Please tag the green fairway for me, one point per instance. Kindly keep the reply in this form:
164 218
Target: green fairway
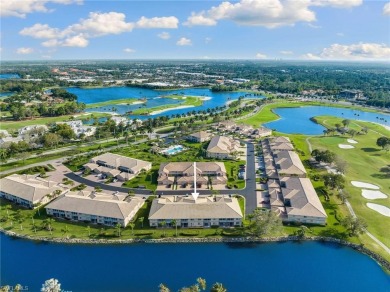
364 164
15 125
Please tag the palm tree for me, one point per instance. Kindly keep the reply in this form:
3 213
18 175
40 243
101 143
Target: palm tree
131 224
88 228
118 227
141 219
174 222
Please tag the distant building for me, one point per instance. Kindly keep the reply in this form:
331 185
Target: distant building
182 173
205 212
119 120
6 141
222 147
351 94
28 190
199 137
261 132
79 129
33 130
4 134
97 208
118 166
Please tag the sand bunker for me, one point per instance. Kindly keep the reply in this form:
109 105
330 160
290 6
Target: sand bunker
360 184
380 209
372 195
345 146
352 141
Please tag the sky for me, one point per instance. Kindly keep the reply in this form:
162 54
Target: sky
356 30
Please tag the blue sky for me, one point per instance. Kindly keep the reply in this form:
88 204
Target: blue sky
246 29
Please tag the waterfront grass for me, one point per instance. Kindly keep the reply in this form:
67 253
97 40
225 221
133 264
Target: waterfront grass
190 101
125 101
364 164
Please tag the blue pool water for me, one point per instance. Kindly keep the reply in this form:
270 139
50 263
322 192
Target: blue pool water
153 98
174 150
310 266
297 120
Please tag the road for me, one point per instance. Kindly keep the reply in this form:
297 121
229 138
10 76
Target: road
66 157
249 192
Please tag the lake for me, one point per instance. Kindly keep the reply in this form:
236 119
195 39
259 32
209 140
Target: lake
153 98
309 266
297 120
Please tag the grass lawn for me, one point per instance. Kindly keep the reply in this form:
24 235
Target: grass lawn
126 101
364 163
232 168
15 125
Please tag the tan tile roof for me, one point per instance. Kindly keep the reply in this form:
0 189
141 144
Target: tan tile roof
303 197
174 207
222 144
28 187
99 204
201 135
116 161
289 162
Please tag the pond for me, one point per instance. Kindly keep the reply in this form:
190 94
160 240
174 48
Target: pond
297 120
309 266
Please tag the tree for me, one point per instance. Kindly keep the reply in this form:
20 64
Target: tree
132 225
51 285
334 181
265 222
383 142
88 228
141 220
354 225
201 283
341 165
118 229
218 287
174 223
51 139
343 196
163 288
23 156
352 132
346 122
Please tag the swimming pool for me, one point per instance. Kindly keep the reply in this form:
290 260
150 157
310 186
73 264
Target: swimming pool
172 150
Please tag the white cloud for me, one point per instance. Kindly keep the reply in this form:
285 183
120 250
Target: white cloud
286 52
20 8
96 25
200 19
184 42
51 43
75 41
310 56
128 50
268 13
261 56
157 22
164 35
40 31
359 51
207 40
100 24
386 9
24 51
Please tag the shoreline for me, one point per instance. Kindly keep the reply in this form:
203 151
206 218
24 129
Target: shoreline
181 240
109 113
169 109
